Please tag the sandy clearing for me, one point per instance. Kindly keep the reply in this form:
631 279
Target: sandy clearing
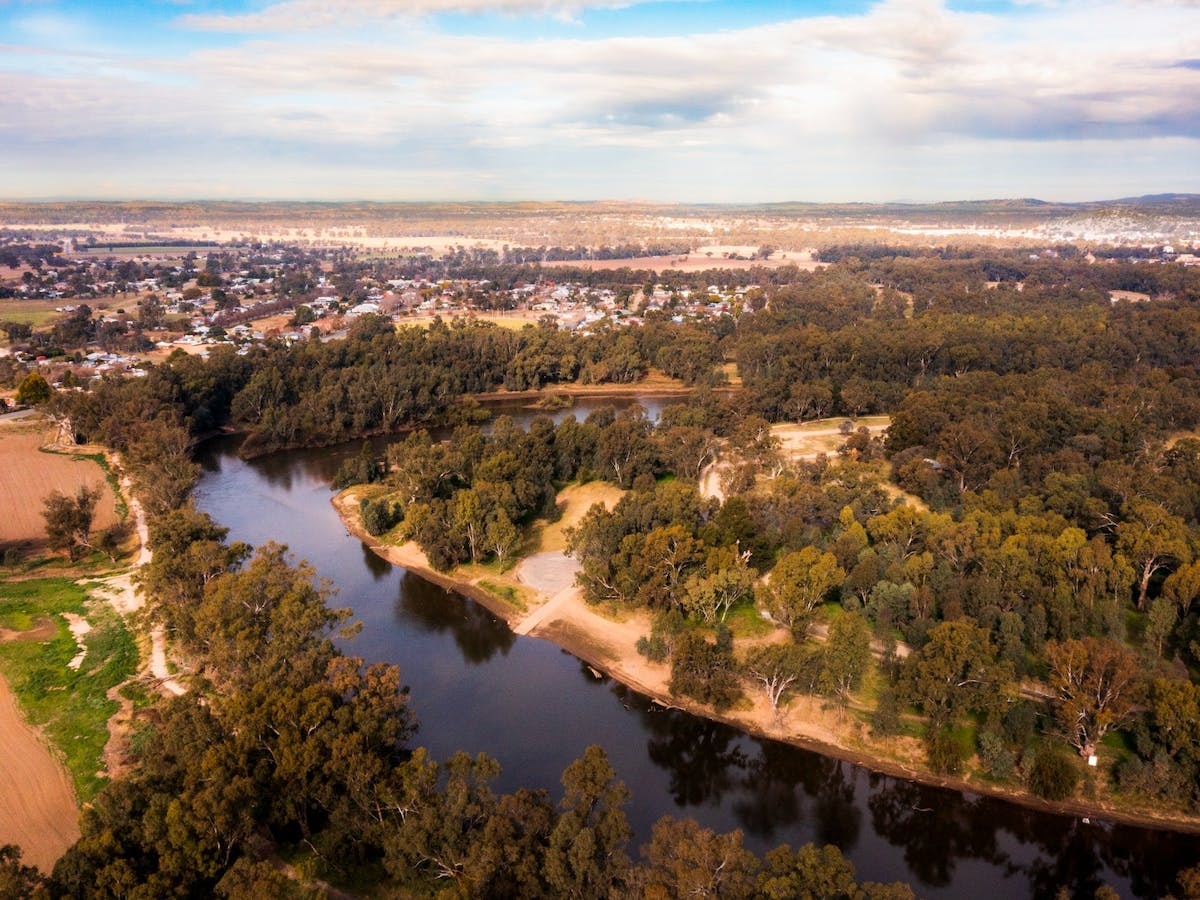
809 439
28 476
551 572
80 627
37 802
710 481
576 500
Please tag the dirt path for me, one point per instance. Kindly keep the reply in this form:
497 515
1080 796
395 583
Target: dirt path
125 597
710 481
551 574
37 803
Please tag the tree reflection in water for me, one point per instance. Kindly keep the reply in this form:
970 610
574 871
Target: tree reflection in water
772 786
838 817
702 757
379 567
935 835
478 633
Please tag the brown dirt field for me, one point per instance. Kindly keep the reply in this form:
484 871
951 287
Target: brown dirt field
28 476
37 804
277 322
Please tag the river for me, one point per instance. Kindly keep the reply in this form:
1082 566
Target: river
478 687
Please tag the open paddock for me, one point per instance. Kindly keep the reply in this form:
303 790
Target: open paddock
28 475
514 321
164 252
32 312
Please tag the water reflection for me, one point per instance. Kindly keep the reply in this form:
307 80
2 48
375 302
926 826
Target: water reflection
430 608
838 818
704 758
772 787
934 834
379 567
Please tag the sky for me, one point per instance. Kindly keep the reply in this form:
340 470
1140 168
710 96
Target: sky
682 100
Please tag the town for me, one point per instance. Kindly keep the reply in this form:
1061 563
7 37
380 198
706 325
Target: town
117 306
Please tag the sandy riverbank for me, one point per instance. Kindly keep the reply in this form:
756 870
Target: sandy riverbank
609 646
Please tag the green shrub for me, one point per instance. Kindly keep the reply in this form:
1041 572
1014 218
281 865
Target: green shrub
664 634
706 671
885 720
1020 722
996 757
1052 775
379 516
945 751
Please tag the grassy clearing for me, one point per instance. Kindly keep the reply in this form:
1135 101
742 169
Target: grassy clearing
33 312
745 621
511 594
69 705
807 439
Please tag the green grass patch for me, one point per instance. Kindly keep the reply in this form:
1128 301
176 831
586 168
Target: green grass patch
33 312
966 736
69 705
510 594
745 621
135 692
873 684
1118 744
829 611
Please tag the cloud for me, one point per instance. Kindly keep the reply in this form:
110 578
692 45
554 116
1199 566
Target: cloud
309 15
906 70
894 89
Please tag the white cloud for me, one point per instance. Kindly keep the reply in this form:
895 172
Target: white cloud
310 15
901 91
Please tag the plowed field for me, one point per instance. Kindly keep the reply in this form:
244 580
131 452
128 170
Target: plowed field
27 476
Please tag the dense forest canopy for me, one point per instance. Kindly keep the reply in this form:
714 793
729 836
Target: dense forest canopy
1031 519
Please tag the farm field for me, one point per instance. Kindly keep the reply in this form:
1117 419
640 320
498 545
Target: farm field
28 475
37 805
705 258
33 312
